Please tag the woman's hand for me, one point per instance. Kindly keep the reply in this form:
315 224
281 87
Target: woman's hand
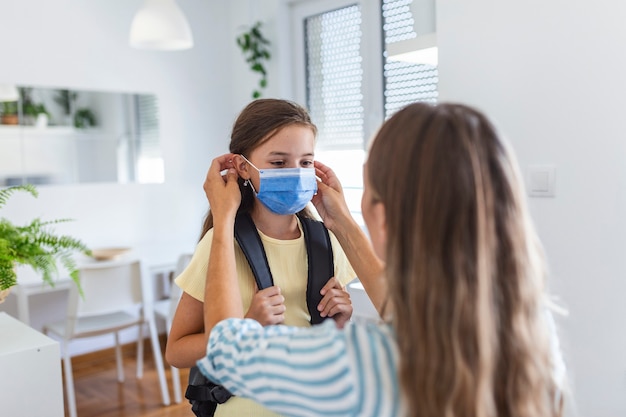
222 191
267 306
336 303
329 200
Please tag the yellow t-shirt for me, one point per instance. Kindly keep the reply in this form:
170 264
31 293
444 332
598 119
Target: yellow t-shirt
288 262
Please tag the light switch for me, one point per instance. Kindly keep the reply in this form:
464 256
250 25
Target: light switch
541 180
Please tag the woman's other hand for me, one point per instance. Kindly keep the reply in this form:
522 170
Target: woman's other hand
329 200
336 303
267 306
222 191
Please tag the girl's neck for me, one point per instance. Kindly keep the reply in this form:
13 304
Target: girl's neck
277 226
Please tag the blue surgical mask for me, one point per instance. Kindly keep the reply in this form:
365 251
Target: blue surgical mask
285 190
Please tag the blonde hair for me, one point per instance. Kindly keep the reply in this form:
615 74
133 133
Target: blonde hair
465 270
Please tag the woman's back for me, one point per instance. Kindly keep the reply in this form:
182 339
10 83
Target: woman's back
464 266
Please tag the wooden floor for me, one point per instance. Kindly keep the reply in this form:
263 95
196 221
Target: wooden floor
98 394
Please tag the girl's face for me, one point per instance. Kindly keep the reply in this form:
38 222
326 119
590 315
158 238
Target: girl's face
292 147
373 212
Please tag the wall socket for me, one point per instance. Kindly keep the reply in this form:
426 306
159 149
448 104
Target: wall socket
541 180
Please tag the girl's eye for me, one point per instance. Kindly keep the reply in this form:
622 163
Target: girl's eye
307 164
278 163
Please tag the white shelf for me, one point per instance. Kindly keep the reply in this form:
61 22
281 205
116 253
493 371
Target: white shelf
13 130
48 129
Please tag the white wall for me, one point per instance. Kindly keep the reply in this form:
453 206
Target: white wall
84 45
551 74
275 27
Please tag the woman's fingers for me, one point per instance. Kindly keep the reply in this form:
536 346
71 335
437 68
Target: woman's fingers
327 175
222 191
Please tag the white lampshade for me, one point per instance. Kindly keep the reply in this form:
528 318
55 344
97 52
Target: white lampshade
160 24
8 92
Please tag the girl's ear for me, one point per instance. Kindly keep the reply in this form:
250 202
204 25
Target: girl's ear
241 165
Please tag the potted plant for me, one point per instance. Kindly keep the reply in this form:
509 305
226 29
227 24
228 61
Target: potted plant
84 118
32 112
36 114
34 244
255 48
8 109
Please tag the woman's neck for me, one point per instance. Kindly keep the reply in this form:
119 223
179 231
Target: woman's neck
277 226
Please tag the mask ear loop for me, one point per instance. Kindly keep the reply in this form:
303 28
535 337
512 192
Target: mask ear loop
251 164
248 182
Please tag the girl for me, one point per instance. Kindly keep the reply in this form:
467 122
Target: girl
271 139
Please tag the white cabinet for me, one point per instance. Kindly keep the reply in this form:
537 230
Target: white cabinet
30 371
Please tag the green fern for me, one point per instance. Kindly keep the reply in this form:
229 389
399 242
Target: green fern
6 193
35 244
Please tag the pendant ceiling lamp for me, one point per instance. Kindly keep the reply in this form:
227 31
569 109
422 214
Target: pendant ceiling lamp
8 92
161 25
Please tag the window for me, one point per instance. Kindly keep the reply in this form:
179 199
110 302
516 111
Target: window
344 77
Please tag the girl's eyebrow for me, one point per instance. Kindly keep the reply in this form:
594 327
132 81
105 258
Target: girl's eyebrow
278 153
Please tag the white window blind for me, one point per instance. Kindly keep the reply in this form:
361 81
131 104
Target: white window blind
405 82
149 160
148 125
334 76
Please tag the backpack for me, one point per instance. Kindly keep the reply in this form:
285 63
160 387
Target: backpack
205 395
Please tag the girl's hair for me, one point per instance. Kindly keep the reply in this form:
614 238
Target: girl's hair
466 272
257 123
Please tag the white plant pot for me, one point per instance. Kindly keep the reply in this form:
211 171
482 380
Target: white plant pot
41 121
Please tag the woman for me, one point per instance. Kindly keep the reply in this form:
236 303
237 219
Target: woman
468 333
271 139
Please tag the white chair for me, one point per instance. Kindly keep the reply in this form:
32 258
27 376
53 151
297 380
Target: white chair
116 296
165 310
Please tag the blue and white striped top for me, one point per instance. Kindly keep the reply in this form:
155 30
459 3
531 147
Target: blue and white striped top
298 371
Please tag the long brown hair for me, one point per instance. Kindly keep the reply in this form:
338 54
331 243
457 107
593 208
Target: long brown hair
257 123
466 277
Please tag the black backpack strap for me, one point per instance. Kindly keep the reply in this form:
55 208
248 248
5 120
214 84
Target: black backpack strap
250 243
321 265
202 389
204 395
319 254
